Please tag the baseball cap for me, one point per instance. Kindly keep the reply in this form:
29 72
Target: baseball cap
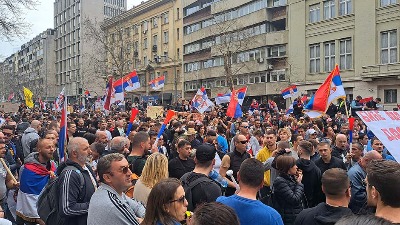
205 152
311 131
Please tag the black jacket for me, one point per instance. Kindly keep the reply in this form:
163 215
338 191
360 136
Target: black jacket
322 214
311 181
74 202
288 197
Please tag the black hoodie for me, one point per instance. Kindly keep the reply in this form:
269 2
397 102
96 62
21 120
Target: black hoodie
322 214
312 182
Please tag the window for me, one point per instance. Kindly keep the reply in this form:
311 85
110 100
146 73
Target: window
155 21
389 47
155 40
390 95
178 53
277 75
344 7
145 43
329 9
165 18
144 26
314 13
165 74
165 35
345 54
329 50
315 58
177 33
276 51
388 2
135 29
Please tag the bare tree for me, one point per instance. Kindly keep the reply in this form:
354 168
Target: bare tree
231 39
12 23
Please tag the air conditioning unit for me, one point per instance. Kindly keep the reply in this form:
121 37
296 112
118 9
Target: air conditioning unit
270 67
260 60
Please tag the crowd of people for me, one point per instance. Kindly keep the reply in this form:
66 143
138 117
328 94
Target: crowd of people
266 167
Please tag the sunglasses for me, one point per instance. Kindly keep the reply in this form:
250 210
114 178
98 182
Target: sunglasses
243 142
245 126
125 169
181 200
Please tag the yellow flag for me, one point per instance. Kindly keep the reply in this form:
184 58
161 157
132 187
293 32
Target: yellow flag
28 97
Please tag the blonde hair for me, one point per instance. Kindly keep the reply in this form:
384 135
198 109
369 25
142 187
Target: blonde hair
155 169
286 130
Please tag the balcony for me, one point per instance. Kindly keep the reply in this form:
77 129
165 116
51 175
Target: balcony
372 72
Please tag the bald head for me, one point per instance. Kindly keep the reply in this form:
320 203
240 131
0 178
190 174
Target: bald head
368 157
36 124
120 145
341 141
101 137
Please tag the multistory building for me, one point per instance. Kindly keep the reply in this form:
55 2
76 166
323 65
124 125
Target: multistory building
148 39
362 37
74 50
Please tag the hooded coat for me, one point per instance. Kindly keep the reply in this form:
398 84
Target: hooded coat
322 214
311 181
30 134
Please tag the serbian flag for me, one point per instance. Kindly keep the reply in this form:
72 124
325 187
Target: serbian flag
33 179
157 83
234 107
108 95
200 101
60 100
168 117
329 91
63 132
223 98
289 92
365 100
134 112
290 109
42 104
87 94
129 82
10 96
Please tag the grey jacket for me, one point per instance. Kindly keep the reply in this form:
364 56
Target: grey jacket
108 207
29 135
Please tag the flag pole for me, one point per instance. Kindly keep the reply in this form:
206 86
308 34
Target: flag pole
345 106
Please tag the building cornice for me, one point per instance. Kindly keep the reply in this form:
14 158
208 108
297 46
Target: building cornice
134 12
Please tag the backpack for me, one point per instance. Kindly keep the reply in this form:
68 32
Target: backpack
48 201
188 186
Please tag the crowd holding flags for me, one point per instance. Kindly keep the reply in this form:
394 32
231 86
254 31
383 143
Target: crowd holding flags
60 100
63 127
129 82
329 91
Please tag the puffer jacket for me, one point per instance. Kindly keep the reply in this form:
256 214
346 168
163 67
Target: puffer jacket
288 197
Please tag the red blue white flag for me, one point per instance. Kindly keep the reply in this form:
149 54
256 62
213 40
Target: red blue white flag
157 83
235 105
289 92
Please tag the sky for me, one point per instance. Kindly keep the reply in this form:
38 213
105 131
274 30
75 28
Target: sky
39 19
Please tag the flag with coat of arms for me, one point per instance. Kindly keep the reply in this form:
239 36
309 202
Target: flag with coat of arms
200 101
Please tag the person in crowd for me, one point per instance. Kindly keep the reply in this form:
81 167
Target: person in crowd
155 169
356 106
74 201
191 137
140 147
71 129
311 174
383 184
315 154
166 204
33 180
357 175
340 148
109 204
103 127
244 130
265 153
288 197
12 155
90 137
221 140
199 187
354 155
250 210
214 213
234 159
377 145
81 129
284 134
182 163
96 150
362 220
119 129
327 161
30 135
363 140
296 139
373 104
336 186
120 145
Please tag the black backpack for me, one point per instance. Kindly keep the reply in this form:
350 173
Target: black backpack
188 186
48 202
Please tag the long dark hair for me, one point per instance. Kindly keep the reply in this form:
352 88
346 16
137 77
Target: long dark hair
161 195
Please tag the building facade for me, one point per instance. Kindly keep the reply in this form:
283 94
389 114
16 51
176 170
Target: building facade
8 72
147 38
73 50
250 37
362 37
